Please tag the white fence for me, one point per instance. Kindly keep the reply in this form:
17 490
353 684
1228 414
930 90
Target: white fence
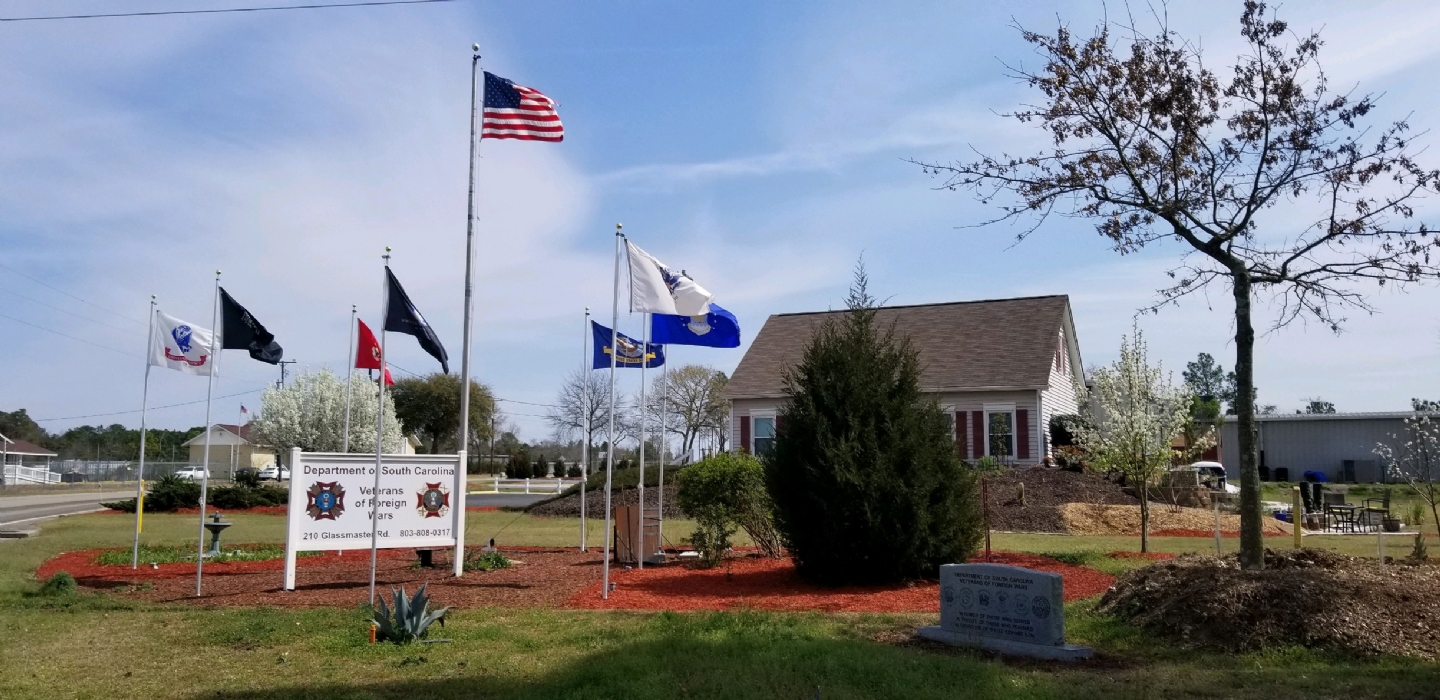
15 474
499 485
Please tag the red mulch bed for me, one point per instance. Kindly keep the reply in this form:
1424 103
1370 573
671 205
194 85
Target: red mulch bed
773 584
1151 556
267 510
548 578
1187 532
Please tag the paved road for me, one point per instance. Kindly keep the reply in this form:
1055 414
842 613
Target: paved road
22 510
482 500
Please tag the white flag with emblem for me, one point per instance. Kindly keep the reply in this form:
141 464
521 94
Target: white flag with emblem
657 289
182 346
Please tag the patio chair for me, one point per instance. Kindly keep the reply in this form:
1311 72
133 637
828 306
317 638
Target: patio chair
1379 506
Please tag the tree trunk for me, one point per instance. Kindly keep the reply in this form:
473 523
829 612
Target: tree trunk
1252 537
1144 517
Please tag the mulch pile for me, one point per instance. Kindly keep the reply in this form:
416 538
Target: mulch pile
569 506
545 578
1045 490
773 584
1151 556
1307 597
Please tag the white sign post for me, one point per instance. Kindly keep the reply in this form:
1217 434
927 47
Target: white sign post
330 499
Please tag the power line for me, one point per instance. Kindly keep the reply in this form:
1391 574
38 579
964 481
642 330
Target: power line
62 335
68 294
72 313
221 10
152 408
527 403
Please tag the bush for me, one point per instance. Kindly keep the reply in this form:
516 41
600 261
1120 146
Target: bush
248 478
486 561
863 472
61 584
1066 428
574 471
722 493
167 495
239 497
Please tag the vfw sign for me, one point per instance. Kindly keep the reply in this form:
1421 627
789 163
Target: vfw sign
420 503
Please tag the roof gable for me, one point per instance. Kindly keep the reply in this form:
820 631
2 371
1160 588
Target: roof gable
971 345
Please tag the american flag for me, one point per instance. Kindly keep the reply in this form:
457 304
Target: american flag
518 112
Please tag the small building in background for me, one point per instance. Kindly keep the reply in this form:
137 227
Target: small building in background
1339 445
1000 368
230 445
25 454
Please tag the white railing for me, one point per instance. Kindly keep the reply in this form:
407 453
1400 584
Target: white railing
15 474
499 485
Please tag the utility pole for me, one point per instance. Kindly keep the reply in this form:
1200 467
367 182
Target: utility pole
281 384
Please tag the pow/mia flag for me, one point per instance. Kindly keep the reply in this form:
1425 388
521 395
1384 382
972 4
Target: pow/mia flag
401 316
240 331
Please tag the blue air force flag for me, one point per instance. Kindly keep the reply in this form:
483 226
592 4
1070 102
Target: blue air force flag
717 329
629 355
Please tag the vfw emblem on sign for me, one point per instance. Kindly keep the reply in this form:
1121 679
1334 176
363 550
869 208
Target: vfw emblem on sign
434 501
326 500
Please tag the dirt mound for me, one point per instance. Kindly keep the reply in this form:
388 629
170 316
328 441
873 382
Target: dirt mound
1045 490
1094 519
1303 597
568 506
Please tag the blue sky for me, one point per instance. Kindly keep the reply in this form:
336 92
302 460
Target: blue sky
761 146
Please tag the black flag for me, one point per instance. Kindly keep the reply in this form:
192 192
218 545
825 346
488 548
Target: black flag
240 331
403 317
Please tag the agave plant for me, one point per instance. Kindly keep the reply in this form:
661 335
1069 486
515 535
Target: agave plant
411 618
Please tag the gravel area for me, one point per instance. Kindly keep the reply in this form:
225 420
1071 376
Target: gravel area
1045 490
1305 597
569 506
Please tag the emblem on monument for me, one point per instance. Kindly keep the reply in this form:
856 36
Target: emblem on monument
1040 607
434 501
326 500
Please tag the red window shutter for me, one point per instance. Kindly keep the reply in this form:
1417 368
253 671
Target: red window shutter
1022 433
777 425
745 434
977 446
960 428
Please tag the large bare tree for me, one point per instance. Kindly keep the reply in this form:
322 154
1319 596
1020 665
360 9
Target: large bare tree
693 403
1270 181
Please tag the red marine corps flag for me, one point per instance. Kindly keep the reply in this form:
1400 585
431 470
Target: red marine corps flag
367 353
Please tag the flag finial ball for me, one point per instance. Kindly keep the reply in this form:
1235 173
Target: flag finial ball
387 248
475 48
619 226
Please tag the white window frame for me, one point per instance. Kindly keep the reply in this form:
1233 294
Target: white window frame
754 415
1009 408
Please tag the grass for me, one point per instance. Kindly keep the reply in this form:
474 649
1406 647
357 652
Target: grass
102 646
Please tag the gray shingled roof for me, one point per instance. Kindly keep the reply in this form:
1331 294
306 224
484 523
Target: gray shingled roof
968 345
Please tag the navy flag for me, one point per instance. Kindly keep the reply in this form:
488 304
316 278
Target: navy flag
401 316
240 331
717 329
629 355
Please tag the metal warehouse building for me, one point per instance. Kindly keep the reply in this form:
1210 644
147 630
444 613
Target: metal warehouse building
1339 445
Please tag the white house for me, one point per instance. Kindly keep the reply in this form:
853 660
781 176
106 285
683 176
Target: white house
1001 368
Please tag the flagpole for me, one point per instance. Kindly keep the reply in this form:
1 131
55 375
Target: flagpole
379 424
639 548
144 406
585 429
349 370
216 341
610 436
664 423
464 447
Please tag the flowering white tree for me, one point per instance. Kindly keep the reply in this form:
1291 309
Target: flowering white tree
1415 457
310 414
1138 413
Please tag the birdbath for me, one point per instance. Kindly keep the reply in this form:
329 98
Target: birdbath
215 526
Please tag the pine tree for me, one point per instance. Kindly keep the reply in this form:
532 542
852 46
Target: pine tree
864 475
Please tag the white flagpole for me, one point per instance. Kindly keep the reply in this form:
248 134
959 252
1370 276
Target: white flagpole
585 429
610 437
460 474
144 406
638 548
349 370
379 425
664 423
216 340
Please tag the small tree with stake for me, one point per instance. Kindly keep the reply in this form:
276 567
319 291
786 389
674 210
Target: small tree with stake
1154 147
1415 457
863 473
1139 413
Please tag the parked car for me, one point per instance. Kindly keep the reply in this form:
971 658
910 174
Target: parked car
1212 475
192 473
275 473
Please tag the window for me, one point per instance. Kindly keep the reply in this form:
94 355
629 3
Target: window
764 438
1000 434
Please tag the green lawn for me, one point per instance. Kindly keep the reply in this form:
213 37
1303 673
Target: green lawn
99 646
